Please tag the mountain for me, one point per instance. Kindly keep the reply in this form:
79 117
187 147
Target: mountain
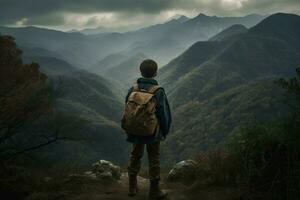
97 101
161 42
98 30
216 86
77 49
50 65
103 30
91 91
127 71
108 62
38 52
89 97
74 48
202 27
282 26
229 32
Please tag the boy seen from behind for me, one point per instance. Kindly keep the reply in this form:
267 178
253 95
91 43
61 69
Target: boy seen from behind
146 120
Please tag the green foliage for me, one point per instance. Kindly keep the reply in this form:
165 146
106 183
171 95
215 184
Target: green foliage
268 153
293 87
67 120
216 168
262 157
216 87
249 143
25 94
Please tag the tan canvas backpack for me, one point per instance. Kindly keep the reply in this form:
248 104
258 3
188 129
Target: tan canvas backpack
139 114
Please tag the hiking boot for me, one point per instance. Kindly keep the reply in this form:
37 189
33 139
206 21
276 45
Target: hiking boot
133 189
155 192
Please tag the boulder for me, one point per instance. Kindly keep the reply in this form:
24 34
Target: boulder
90 174
184 172
47 179
104 169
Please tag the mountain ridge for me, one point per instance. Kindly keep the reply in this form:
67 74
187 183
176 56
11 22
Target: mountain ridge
224 89
229 32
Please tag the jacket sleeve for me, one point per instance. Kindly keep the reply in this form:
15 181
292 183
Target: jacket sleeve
163 112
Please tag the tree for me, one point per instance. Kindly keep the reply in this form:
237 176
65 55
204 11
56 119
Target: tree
292 87
268 152
25 94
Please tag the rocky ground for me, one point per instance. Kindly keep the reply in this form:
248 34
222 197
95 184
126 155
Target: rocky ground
107 181
98 190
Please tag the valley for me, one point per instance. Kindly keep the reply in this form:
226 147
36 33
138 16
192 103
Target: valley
218 73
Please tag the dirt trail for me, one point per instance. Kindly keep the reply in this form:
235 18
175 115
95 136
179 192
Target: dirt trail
96 190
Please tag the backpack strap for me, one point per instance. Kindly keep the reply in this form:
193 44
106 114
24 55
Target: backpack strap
136 87
153 89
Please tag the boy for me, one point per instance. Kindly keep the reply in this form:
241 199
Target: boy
144 129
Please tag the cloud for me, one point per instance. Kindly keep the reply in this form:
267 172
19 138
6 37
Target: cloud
103 12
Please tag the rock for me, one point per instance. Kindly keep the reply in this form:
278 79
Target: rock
47 179
106 176
90 174
101 170
106 170
184 172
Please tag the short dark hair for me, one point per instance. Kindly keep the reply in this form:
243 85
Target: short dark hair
148 68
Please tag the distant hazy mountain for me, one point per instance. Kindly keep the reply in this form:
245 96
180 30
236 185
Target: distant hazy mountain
161 42
102 30
93 31
39 52
202 27
165 41
229 32
75 48
127 71
215 86
108 62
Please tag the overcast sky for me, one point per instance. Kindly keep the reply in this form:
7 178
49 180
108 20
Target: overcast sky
78 14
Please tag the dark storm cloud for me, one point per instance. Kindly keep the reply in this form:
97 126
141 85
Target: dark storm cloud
241 7
52 12
13 10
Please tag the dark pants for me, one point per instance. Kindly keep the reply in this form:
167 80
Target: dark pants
153 157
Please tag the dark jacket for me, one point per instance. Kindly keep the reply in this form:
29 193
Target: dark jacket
162 112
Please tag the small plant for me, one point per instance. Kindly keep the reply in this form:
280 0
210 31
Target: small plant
217 167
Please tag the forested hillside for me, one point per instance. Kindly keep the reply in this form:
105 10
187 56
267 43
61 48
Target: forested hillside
84 118
216 86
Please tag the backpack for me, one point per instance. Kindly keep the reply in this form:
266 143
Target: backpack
139 114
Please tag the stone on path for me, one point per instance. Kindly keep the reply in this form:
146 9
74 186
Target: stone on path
184 172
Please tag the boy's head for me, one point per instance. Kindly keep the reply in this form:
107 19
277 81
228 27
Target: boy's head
148 68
